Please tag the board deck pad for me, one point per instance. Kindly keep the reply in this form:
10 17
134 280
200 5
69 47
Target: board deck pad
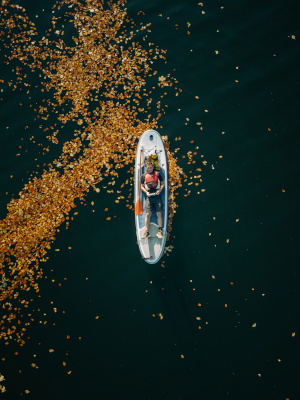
152 244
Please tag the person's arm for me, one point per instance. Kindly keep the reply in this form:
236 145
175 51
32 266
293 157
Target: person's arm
162 185
143 188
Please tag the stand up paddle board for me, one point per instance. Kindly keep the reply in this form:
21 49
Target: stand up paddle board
151 248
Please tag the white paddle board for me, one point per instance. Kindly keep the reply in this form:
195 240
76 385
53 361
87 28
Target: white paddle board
152 247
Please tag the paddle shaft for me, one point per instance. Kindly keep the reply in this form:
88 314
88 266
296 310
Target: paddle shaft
140 172
139 207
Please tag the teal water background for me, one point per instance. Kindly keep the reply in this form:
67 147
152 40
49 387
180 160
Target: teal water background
127 353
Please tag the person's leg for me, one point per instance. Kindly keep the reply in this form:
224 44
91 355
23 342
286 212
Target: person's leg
148 213
147 220
159 219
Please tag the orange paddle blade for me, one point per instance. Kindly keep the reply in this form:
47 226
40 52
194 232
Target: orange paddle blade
138 207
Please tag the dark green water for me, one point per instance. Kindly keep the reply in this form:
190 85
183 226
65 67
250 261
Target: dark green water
127 353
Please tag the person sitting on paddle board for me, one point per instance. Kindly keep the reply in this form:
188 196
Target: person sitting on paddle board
152 182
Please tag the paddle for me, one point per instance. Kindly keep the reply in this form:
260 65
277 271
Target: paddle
138 206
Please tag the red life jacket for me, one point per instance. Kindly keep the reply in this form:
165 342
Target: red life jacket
151 180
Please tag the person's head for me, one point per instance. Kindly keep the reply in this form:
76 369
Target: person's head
149 167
